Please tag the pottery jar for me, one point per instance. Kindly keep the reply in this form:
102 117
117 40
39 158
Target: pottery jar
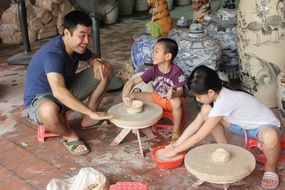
261 42
281 95
181 30
222 27
141 52
197 49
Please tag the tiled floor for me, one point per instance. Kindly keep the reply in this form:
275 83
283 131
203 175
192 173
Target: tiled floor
27 164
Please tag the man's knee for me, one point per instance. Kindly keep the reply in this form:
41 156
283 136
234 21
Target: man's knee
47 110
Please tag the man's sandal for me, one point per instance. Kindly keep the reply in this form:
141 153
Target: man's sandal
270 180
72 145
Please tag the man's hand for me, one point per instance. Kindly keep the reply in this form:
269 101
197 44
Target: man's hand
99 70
100 115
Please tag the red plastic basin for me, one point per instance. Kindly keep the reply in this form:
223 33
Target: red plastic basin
166 164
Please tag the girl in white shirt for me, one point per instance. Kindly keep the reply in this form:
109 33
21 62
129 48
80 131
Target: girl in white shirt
235 110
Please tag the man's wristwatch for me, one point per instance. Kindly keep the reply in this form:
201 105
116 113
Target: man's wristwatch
98 59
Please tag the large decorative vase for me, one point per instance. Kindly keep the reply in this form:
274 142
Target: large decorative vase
281 94
181 30
197 49
222 27
141 52
261 45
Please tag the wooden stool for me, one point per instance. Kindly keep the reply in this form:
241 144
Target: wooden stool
251 143
43 133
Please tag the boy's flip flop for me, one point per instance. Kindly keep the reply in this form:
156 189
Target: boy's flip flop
72 145
103 122
270 180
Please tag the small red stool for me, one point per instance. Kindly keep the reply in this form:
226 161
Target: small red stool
167 115
253 143
43 133
129 186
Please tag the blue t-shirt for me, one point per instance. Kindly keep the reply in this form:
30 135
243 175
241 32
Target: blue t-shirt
52 57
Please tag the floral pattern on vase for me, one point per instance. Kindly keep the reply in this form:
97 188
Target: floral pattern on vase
261 34
197 49
222 27
141 52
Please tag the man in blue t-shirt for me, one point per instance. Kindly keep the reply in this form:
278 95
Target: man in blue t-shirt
52 85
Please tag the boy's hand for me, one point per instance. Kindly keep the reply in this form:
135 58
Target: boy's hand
127 101
169 93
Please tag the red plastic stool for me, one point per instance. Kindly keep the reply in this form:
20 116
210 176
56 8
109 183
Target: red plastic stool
43 133
129 186
167 115
253 143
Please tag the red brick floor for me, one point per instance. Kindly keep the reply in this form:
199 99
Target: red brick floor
27 164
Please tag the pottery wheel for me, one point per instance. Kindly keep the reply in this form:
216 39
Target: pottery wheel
151 114
199 162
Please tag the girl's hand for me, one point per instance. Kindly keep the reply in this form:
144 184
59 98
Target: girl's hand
169 151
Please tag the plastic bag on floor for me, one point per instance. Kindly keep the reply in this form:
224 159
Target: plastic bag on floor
87 179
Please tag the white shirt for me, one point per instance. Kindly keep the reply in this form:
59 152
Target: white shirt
242 109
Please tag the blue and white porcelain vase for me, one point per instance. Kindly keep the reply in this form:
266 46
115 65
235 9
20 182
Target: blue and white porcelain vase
141 52
181 30
222 27
197 49
261 42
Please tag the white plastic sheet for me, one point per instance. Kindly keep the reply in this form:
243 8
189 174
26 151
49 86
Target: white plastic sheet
87 179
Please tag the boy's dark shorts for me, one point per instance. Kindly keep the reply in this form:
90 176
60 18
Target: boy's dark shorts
81 86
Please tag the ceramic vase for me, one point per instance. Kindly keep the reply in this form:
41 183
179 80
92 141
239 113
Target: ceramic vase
141 52
181 30
197 49
260 35
222 27
281 95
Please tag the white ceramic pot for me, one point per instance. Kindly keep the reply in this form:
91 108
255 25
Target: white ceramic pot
260 38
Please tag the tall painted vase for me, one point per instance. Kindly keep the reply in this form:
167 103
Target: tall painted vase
197 49
261 42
